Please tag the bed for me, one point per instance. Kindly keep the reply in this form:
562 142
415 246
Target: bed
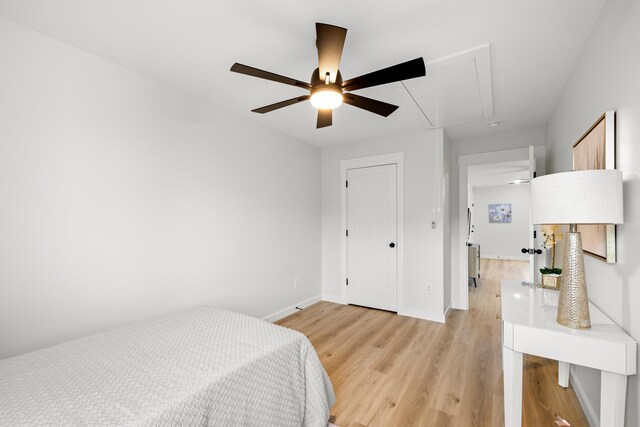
203 366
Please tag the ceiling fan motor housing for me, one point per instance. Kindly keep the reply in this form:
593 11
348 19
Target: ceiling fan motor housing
318 83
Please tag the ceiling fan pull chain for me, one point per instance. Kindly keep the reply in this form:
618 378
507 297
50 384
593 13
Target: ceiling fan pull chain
437 174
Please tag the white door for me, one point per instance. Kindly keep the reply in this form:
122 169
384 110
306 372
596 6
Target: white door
372 261
534 230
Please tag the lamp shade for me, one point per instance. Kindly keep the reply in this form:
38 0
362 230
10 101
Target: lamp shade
579 197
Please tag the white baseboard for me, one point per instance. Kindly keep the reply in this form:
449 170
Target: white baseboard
409 312
333 298
290 310
422 314
458 306
509 258
586 405
446 313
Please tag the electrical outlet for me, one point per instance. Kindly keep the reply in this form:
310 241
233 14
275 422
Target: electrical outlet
429 290
295 282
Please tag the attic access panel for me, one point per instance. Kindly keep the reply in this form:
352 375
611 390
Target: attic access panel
457 88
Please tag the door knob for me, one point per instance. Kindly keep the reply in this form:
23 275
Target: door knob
531 251
392 245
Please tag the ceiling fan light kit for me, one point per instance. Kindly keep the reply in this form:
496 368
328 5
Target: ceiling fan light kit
327 90
326 98
326 95
518 181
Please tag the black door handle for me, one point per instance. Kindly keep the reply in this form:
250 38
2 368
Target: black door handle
531 251
392 245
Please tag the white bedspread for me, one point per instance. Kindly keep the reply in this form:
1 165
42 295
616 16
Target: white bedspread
205 366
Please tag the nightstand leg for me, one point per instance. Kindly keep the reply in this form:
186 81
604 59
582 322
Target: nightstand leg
613 395
563 374
512 371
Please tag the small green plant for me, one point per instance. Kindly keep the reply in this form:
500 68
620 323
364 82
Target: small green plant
551 234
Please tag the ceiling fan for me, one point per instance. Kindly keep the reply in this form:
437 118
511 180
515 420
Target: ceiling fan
327 90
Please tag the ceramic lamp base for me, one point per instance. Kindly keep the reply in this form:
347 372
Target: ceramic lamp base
573 304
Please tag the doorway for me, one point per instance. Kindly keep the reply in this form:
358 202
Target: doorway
534 155
498 218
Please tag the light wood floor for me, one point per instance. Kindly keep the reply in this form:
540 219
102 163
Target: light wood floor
390 370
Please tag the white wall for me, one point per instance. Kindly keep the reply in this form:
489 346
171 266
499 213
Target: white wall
606 77
122 198
423 249
492 142
502 241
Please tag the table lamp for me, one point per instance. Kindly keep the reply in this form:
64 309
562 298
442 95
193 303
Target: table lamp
580 197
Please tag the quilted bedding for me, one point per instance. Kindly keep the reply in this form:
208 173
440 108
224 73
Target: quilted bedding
204 366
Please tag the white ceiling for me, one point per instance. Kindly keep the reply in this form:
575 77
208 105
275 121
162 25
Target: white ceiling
191 44
495 174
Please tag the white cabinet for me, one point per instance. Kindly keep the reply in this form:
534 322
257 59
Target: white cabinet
474 262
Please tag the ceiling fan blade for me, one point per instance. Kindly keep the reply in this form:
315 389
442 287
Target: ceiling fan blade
378 107
325 118
277 105
404 71
329 41
255 72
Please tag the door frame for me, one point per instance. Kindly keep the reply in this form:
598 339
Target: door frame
460 291
364 162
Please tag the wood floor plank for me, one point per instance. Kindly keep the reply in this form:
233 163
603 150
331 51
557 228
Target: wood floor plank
390 370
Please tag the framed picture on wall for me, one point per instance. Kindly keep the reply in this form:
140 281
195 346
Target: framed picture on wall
596 150
500 213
